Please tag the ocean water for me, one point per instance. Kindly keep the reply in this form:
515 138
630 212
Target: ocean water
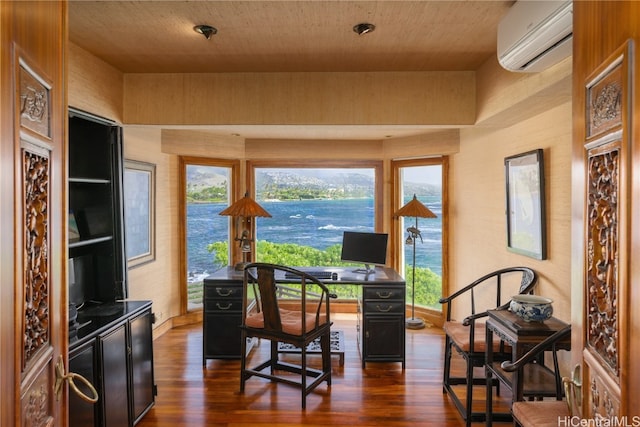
315 223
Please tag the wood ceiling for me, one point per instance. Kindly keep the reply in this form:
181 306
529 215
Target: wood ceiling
287 36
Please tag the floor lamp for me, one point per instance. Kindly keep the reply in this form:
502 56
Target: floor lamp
418 210
242 211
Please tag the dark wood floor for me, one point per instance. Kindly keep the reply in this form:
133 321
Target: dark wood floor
381 395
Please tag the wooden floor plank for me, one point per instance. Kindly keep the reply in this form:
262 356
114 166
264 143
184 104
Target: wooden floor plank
383 394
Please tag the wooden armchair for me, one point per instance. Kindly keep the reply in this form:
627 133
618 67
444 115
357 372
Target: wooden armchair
543 413
467 337
298 326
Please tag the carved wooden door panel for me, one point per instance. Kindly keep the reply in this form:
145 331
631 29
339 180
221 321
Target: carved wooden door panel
38 285
33 172
607 239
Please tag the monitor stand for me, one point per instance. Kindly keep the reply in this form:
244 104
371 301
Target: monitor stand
366 270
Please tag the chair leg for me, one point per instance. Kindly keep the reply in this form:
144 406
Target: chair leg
243 359
469 397
447 364
325 345
303 375
274 356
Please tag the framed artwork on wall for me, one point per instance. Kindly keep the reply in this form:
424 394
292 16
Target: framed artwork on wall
525 204
139 212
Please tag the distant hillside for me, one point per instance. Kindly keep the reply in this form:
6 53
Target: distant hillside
199 177
289 184
206 185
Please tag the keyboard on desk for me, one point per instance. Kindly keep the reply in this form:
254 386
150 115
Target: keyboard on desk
318 274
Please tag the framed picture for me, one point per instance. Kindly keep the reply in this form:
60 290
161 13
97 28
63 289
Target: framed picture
526 225
139 212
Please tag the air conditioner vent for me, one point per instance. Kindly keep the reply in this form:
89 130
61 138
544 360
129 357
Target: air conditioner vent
535 35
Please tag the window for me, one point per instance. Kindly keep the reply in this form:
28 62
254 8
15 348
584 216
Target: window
207 191
424 179
310 209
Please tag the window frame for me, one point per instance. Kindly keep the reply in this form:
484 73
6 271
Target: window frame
234 178
397 233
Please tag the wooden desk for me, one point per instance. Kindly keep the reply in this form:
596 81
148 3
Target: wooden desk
521 336
381 312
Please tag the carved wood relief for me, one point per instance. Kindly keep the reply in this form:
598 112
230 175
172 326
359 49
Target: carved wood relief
602 255
36 256
604 100
603 396
34 102
36 404
607 145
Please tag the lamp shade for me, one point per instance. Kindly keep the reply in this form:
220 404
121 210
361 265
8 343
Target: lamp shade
246 207
415 208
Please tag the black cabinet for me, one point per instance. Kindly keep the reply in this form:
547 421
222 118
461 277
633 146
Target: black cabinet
115 353
114 378
116 336
97 264
381 320
222 315
82 361
142 379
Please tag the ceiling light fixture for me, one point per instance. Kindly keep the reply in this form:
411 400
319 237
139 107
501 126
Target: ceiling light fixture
363 28
205 30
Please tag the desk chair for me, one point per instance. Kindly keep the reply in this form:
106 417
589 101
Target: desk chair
309 321
468 338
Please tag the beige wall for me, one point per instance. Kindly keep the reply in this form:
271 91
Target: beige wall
506 103
94 85
158 280
477 210
426 98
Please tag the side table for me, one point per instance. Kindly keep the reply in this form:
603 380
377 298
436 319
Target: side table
521 336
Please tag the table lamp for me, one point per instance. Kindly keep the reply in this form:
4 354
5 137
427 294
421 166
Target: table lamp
416 209
242 211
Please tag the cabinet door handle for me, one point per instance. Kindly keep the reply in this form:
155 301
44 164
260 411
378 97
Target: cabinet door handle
222 293
227 307
61 377
384 295
383 310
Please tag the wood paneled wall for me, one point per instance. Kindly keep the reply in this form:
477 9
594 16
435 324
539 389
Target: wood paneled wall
593 45
33 211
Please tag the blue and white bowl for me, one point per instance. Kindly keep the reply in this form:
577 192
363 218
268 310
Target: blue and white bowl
531 308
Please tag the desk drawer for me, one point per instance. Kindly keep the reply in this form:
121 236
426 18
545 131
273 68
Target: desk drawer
382 293
223 305
222 292
383 307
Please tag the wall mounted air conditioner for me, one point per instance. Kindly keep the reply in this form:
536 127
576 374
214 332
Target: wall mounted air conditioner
535 35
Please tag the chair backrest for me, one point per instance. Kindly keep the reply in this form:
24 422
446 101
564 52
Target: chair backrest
528 281
271 282
268 300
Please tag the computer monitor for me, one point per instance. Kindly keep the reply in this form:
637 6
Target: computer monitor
367 248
